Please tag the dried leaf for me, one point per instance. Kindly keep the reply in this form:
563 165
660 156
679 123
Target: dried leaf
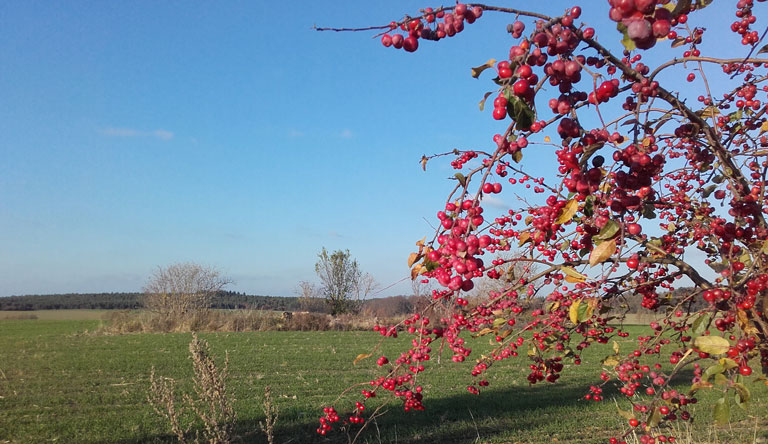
476 71
424 163
568 211
413 258
360 357
602 252
572 275
525 236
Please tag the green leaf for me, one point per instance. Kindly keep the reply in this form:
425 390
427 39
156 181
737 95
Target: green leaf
520 112
608 231
720 379
722 412
700 324
628 43
655 418
715 369
682 5
742 395
581 310
498 322
728 363
714 345
462 180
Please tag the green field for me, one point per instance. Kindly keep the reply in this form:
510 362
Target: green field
58 384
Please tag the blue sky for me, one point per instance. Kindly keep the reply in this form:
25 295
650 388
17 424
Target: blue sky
139 134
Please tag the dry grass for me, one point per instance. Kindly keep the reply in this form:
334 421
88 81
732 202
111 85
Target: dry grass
56 315
123 322
211 404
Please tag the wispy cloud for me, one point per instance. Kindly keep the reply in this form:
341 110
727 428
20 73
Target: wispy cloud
495 202
160 134
346 133
295 134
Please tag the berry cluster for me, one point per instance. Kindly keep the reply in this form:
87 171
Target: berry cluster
444 24
645 23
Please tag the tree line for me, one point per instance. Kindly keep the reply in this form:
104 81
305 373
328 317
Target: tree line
131 301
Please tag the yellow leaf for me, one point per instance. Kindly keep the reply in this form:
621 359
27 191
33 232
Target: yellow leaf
582 309
476 71
714 345
413 258
573 312
602 252
547 138
360 357
764 127
610 361
616 347
567 212
572 275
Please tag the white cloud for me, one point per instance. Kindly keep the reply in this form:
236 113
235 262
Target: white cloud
346 133
161 134
495 202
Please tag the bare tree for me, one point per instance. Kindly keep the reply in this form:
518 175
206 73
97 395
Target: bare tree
309 297
181 289
344 286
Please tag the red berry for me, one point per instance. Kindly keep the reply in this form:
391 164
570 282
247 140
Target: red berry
521 87
411 44
691 77
633 422
499 113
745 370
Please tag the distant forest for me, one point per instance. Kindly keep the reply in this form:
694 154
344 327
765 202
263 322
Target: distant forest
129 301
380 307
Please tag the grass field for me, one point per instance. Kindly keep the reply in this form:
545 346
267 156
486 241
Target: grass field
56 315
59 385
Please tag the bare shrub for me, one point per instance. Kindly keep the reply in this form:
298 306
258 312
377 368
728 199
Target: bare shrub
182 289
211 404
20 316
307 322
270 415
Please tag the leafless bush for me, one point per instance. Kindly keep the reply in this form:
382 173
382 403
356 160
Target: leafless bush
211 404
19 316
182 289
270 416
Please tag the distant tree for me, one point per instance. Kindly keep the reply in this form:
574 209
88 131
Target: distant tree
344 286
181 289
309 297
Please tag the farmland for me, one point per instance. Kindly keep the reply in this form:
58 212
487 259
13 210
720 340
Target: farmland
59 382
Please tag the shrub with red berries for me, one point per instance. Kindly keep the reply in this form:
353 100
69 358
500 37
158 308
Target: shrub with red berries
644 180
